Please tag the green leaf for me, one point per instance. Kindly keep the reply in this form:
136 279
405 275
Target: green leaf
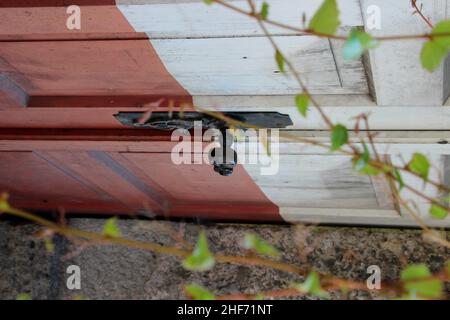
312 286
197 292
416 282
399 179
407 296
253 242
438 212
448 268
339 137
434 50
208 2
357 43
264 10
49 245
111 229
302 102
370 170
259 296
426 288
280 60
361 163
442 27
432 55
23 296
414 272
201 258
326 18
420 165
4 205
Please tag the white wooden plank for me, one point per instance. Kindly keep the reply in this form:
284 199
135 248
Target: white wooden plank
398 76
412 198
305 180
202 44
281 101
310 180
194 19
246 66
389 118
383 192
446 178
383 148
351 72
355 217
385 137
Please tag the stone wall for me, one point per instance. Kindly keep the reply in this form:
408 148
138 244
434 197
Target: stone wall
113 272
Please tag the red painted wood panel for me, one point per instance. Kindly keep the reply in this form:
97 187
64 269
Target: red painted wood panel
78 182
8 102
35 183
45 21
90 74
74 118
105 64
111 179
50 3
94 181
199 191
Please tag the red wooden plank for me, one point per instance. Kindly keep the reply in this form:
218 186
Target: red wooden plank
10 99
85 134
93 181
53 3
83 71
73 37
199 191
228 211
90 74
114 180
93 118
47 22
35 183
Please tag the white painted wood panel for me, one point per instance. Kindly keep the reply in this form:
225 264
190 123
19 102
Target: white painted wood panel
355 216
324 189
246 66
384 148
381 118
384 192
281 101
351 72
195 19
315 181
436 174
399 78
212 50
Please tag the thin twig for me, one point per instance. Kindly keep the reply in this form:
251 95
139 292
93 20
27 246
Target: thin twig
419 11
